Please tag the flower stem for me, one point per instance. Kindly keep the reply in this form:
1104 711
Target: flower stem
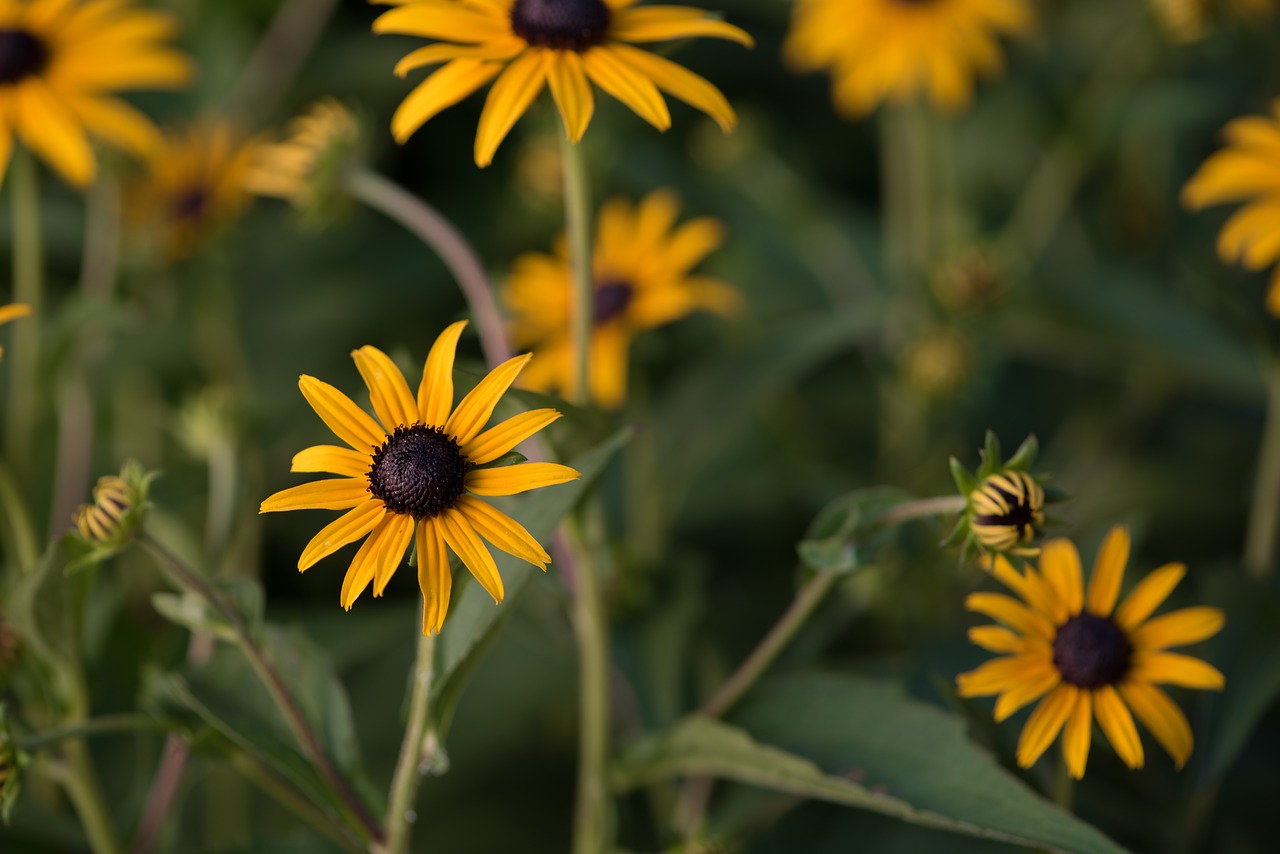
189 580
21 535
1064 788
591 813
91 726
24 187
1264 514
457 254
413 759
577 221
81 784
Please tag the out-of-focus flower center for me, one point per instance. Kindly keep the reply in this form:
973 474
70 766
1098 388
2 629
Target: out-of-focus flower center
22 55
612 297
419 471
190 204
1089 651
560 24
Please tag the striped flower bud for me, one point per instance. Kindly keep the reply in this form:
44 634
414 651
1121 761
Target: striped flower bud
1006 510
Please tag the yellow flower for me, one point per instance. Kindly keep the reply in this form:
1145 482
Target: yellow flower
1091 658
564 44
307 166
418 473
896 50
1247 170
1006 511
12 312
59 62
642 268
192 187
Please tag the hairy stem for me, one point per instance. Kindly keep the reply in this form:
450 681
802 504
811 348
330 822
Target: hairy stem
28 259
413 760
1264 513
577 220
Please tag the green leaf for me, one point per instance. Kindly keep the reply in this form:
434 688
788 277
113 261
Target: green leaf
1025 456
43 606
916 754
191 612
990 456
474 619
844 535
965 482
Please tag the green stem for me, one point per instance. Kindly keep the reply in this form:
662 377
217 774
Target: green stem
24 187
907 185
187 579
577 221
89 727
21 530
414 758
303 808
1264 514
433 229
592 825
81 784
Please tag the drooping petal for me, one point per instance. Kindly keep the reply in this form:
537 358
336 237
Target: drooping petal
335 494
679 82
628 85
332 459
399 532
1147 595
388 390
1011 612
464 541
50 130
434 577
1159 714
347 528
996 675
434 54
364 564
1115 720
445 87
1171 668
997 639
435 391
572 92
474 410
1178 628
501 438
348 422
502 531
1108 572
666 23
1060 566
1045 723
1076 735
1031 688
510 480
511 95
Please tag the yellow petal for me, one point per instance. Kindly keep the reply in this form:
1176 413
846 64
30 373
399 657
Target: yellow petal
501 438
434 578
680 82
666 23
626 84
348 422
364 564
347 528
1115 720
1171 668
502 531
1045 723
1148 594
464 541
572 92
399 532
1178 628
511 95
435 54
1060 566
997 675
1011 612
50 130
1031 688
1076 735
997 639
445 87
435 391
337 494
474 410
1108 571
509 480
116 122
332 459
450 22
1159 714
13 311
388 391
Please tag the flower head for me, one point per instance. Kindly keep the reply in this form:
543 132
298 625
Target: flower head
897 50
1004 502
192 186
12 311
60 60
418 472
566 45
307 168
643 266
1247 170
1088 658
114 518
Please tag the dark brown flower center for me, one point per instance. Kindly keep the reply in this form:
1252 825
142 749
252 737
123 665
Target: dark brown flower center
21 55
419 471
190 204
612 297
1089 651
560 24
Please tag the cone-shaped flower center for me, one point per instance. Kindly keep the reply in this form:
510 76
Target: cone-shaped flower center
560 24
419 471
21 55
612 297
1089 651
190 204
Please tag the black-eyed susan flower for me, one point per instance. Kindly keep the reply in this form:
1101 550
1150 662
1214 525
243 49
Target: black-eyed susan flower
307 167
1088 658
60 60
1004 502
643 278
898 50
114 518
193 186
1247 170
417 473
566 45
12 311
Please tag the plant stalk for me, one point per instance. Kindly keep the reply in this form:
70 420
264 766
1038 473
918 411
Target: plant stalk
1264 513
592 825
28 259
577 221
82 787
413 762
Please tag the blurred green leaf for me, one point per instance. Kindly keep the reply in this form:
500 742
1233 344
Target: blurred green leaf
916 754
844 535
192 612
43 607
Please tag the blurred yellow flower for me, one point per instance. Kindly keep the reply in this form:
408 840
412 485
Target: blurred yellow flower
897 50
1247 170
12 311
643 279
306 166
1092 659
59 62
938 362
417 473
564 44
